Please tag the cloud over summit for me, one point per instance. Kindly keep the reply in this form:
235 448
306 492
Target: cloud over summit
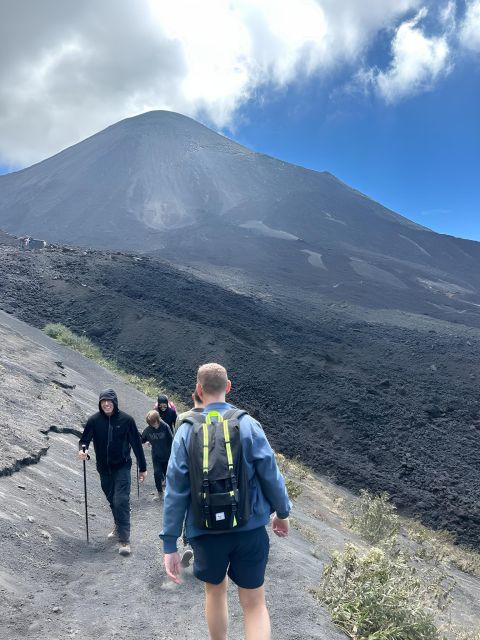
70 69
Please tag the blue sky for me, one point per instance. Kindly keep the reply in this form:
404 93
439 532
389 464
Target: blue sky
384 94
420 157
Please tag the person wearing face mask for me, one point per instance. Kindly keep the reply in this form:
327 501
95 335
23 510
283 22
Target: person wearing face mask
114 434
167 410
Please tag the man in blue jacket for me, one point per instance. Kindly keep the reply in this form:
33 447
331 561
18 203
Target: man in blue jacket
240 553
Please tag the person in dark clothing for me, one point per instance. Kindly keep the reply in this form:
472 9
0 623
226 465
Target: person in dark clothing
114 434
167 413
197 408
159 435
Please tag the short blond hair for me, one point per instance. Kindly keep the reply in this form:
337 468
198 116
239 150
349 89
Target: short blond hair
153 418
212 377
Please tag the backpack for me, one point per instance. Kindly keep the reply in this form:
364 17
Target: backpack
218 476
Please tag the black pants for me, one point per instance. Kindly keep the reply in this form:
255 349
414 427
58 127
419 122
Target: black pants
159 472
116 487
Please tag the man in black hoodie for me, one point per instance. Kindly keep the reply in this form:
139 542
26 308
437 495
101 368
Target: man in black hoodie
114 433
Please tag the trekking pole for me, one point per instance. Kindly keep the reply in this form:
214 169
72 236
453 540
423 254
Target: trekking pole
138 484
85 493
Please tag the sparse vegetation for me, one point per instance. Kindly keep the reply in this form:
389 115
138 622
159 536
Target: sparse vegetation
307 532
149 386
374 518
439 546
377 596
293 470
390 593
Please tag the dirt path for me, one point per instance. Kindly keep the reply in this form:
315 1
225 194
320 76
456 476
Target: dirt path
53 585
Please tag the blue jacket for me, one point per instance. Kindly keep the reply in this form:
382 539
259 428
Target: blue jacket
267 486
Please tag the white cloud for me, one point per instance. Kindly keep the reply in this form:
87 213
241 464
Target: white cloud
447 15
418 60
68 69
470 28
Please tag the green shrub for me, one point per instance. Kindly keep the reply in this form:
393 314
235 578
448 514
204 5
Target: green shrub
78 343
466 560
374 518
149 386
376 596
292 468
439 546
293 488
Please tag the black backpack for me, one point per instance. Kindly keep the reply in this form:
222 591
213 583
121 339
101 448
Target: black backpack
218 477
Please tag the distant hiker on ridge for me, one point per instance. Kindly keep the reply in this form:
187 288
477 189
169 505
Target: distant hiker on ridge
159 435
167 410
227 491
114 433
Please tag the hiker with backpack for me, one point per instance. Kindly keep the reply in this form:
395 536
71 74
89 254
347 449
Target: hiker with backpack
160 436
114 434
167 410
223 476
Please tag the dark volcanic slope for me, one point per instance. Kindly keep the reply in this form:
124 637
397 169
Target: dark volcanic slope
370 404
161 182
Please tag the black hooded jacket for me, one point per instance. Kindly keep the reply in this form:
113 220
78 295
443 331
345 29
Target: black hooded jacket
113 436
169 415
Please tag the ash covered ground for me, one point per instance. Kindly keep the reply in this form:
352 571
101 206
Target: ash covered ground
378 399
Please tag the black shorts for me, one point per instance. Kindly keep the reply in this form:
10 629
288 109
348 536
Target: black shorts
242 555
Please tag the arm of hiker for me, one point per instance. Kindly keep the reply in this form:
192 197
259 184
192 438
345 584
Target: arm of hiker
280 526
177 494
144 436
268 473
168 429
85 440
172 566
136 442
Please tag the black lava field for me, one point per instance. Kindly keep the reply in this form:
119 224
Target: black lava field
385 401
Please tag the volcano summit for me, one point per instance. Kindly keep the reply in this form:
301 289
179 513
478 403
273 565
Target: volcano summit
161 183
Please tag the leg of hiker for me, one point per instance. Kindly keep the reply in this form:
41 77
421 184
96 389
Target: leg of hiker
216 609
108 485
121 502
164 464
158 475
256 620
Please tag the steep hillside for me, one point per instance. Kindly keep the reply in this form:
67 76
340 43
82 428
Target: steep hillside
162 183
387 401
54 585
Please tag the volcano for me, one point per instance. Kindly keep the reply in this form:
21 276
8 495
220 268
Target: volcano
162 183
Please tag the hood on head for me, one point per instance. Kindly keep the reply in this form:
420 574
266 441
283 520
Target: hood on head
162 399
108 394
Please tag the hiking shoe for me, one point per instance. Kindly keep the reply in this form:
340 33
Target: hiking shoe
159 495
124 549
113 534
186 558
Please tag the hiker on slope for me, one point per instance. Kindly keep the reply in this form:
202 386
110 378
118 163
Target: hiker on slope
159 435
167 410
114 433
225 521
